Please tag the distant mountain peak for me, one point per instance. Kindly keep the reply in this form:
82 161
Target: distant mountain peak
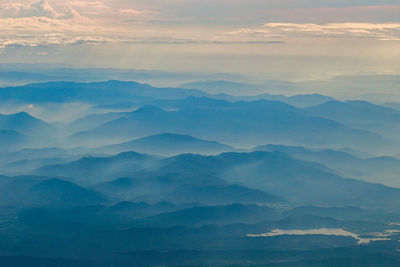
169 144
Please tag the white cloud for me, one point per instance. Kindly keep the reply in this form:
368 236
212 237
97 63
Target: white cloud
39 23
379 31
41 8
57 22
36 31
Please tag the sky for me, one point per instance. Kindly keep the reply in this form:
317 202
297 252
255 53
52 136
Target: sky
269 39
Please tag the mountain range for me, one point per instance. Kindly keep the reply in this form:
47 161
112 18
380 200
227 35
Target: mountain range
381 169
221 174
168 144
239 123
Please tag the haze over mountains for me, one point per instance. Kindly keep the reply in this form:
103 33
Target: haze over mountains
169 144
181 133
136 175
370 87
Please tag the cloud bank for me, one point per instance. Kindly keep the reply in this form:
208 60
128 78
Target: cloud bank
378 31
242 34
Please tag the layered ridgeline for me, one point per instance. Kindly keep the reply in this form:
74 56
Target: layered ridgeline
187 176
97 92
168 144
126 174
21 130
232 120
382 169
224 89
238 124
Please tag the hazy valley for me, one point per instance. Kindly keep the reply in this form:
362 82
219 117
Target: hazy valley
174 176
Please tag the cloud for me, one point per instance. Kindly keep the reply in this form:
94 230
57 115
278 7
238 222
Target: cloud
90 40
43 31
97 10
41 23
378 31
137 13
89 4
41 8
84 22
